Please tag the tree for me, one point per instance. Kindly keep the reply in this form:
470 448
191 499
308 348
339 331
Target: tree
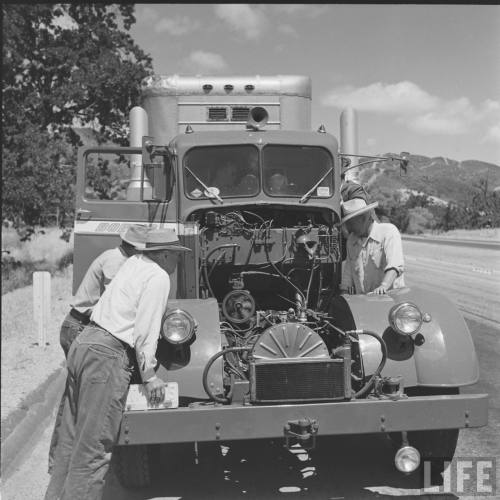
64 65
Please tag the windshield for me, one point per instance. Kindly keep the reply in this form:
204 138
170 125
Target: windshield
294 170
226 171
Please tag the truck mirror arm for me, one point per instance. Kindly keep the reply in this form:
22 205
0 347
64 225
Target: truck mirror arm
403 159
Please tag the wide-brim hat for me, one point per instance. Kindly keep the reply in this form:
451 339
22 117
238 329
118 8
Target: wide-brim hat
135 234
354 207
161 239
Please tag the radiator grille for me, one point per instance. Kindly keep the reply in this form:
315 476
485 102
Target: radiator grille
217 114
296 381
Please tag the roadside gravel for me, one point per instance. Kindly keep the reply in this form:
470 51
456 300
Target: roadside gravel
26 365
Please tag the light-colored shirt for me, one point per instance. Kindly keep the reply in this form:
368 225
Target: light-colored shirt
368 258
132 306
100 273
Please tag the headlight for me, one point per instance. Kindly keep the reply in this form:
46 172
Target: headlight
178 326
405 318
407 459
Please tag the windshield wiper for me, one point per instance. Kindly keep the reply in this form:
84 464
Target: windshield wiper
205 187
311 191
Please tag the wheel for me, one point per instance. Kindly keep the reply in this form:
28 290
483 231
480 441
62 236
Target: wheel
135 466
435 446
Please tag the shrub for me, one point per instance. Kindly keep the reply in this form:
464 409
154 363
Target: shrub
44 251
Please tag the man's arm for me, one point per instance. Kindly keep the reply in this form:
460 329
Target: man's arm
393 248
152 305
89 291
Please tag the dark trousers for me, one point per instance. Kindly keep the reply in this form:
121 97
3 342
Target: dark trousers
70 329
99 371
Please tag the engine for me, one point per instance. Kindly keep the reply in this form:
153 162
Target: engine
273 271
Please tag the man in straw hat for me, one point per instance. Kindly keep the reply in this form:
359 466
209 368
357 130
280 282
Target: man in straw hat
374 262
125 324
99 274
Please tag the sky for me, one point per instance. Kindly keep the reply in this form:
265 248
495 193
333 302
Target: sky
422 78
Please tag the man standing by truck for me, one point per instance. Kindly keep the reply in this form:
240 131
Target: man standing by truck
374 262
98 276
127 318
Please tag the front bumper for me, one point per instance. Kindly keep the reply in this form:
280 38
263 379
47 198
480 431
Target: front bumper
211 423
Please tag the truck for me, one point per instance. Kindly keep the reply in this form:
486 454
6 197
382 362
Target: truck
257 341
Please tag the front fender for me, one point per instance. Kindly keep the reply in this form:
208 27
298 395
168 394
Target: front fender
187 367
447 356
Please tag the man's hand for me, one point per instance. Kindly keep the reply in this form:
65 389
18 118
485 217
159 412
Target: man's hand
380 290
155 390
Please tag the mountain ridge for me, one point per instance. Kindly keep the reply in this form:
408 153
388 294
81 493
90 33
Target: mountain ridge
444 178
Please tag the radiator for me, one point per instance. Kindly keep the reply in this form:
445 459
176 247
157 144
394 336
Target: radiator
290 380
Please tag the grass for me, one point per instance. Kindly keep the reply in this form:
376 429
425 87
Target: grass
44 251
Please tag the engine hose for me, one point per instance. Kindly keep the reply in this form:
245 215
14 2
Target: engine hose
381 365
204 272
210 362
266 250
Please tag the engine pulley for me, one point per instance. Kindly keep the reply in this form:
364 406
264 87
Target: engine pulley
238 306
290 340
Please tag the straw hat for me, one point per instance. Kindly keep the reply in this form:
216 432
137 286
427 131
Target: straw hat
353 208
161 239
134 234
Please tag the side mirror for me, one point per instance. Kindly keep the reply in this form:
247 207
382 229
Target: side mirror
156 170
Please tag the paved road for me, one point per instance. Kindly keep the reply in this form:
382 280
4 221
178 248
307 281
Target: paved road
484 244
352 467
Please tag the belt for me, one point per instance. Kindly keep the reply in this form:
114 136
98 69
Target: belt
83 318
96 325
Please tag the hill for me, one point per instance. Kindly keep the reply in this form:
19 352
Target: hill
442 178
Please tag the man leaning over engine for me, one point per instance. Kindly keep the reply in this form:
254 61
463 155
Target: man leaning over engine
374 261
96 279
125 323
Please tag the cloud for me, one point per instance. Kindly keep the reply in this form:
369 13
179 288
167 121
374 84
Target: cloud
146 14
381 98
416 108
248 20
286 29
176 26
493 134
311 11
200 61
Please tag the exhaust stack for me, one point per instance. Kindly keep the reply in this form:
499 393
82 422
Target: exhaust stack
349 140
138 128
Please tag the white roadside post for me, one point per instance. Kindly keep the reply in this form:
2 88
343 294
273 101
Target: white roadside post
41 305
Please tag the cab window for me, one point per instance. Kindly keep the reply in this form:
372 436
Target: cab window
294 170
106 177
228 171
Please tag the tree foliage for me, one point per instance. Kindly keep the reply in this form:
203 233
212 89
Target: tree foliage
64 66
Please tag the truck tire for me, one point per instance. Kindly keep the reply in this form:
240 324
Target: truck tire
135 466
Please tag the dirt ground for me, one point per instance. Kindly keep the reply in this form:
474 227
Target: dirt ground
25 364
